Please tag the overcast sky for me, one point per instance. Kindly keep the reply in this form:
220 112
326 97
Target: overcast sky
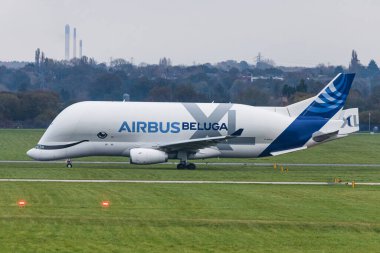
291 32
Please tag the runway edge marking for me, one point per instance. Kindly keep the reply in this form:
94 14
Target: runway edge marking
178 182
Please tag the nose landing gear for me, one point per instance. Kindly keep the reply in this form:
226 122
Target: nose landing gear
69 163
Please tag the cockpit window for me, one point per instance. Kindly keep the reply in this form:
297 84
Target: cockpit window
39 146
50 147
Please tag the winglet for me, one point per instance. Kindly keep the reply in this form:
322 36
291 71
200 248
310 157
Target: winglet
237 133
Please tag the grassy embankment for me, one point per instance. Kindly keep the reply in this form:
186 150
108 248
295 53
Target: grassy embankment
67 217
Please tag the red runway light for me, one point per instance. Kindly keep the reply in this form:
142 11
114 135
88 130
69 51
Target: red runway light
105 203
21 203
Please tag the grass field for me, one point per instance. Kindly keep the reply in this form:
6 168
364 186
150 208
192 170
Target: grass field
68 217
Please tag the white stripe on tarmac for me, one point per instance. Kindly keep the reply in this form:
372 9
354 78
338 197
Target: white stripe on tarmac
176 182
214 163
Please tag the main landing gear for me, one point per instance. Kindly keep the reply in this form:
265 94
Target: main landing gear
69 163
184 165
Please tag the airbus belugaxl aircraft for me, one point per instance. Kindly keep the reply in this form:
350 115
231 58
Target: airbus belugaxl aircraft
152 132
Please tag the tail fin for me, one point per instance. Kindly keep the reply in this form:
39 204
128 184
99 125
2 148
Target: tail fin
315 118
328 102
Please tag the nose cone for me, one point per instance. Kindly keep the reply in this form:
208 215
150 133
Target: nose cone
33 153
46 155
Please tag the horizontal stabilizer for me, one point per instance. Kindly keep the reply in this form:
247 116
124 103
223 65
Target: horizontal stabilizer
320 136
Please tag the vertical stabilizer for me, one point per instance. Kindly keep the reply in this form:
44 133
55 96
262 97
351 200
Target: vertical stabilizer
312 114
328 102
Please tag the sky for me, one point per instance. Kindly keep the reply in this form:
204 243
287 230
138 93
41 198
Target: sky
290 32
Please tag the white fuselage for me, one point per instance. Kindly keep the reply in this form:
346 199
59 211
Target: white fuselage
129 125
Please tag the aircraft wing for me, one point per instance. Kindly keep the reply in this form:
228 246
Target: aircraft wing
195 144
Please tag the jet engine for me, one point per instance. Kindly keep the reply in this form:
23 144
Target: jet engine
205 153
147 156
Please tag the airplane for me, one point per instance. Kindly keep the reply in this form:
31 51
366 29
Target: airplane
153 132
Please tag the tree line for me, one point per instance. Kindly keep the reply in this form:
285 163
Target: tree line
32 96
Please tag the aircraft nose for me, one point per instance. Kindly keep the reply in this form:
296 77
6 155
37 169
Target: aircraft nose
32 153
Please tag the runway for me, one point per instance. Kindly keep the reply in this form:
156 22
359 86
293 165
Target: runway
177 182
212 163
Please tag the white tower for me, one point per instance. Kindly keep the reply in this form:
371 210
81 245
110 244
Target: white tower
80 48
75 43
67 42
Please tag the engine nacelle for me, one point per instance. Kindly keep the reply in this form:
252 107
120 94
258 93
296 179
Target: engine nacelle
147 156
205 153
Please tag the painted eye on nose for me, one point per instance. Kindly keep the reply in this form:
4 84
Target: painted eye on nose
102 135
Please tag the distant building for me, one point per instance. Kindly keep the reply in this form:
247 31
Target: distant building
67 42
75 43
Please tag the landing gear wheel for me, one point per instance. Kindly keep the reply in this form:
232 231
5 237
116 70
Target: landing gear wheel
69 164
181 166
191 166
